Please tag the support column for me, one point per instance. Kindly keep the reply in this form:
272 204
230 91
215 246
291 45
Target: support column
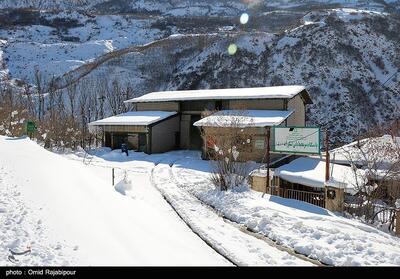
258 181
112 140
334 198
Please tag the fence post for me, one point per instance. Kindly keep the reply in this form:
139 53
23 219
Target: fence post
113 176
397 227
278 186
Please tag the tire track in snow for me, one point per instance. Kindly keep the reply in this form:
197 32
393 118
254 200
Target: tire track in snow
240 248
183 219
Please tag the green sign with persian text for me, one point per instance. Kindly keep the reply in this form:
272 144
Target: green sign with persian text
296 140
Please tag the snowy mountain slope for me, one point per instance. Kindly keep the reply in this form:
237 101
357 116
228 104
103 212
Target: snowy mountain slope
186 7
69 214
152 66
56 43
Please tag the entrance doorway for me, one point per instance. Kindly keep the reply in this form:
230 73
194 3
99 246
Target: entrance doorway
135 141
196 142
118 140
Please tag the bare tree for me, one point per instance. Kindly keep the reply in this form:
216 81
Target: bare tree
375 161
62 115
40 89
71 95
226 140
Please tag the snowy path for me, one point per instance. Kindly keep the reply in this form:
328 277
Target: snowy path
305 228
239 247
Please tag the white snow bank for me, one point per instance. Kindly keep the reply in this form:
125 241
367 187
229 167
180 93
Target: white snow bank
245 118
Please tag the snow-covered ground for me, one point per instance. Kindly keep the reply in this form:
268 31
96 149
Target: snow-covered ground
65 208
297 226
69 214
229 240
307 229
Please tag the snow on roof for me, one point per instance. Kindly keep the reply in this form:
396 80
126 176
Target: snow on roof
311 172
274 92
134 118
244 118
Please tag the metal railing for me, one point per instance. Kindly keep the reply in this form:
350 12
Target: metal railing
373 213
315 198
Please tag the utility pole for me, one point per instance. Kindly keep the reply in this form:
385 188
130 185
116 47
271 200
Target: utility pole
327 158
268 158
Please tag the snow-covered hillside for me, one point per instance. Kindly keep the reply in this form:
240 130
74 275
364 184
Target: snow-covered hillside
55 43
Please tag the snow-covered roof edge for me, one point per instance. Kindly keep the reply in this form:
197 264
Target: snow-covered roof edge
245 118
134 118
272 92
